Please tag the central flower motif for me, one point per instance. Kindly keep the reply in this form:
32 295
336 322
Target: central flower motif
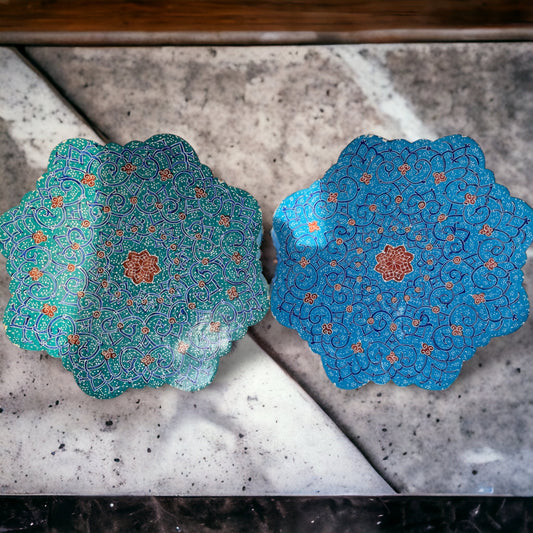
141 267
394 263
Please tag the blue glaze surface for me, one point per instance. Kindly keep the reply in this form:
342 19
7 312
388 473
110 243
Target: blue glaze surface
401 261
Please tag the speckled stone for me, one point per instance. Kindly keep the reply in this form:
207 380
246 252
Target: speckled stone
273 120
253 431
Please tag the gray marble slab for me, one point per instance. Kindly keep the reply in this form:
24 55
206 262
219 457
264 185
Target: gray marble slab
272 120
253 431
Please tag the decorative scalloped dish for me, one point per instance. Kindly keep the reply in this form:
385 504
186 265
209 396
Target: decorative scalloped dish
401 261
133 265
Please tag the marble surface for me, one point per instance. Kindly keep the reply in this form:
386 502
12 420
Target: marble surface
253 431
272 120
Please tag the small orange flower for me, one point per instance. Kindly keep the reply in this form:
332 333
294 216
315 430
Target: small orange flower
491 264
214 327
57 201
439 177
71 267
313 226
310 298
441 218
183 347
232 293
327 329
144 330
403 169
426 349
128 168
457 331
237 258
479 298
109 354
73 338
332 198
470 199
223 221
35 273
89 179
365 178
85 224
49 310
96 314
486 230
39 237
165 174
392 358
199 192
357 347
147 360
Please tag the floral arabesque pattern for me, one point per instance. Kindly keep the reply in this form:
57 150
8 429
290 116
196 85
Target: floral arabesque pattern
414 265
120 265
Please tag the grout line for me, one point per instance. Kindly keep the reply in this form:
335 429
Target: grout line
267 348
22 52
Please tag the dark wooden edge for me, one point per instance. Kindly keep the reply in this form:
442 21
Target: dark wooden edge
406 514
266 22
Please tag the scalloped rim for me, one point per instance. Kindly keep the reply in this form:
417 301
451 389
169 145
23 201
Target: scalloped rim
521 254
237 335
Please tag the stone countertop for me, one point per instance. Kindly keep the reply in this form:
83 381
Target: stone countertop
270 120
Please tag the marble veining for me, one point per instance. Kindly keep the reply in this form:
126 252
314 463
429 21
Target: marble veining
295 108
253 431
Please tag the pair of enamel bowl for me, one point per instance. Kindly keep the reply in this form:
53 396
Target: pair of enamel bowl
136 267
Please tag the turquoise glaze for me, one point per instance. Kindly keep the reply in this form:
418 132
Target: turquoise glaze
133 264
